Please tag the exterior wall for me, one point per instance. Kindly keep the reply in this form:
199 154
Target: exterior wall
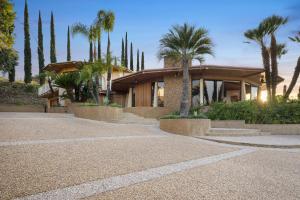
119 99
228 123
143 94
188 127
173 91
148 112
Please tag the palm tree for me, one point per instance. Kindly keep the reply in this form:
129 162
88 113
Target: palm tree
91 33
68 81
272 24
89 72
296 71
185 43
107 20
258 35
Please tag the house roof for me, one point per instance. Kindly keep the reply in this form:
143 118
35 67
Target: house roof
208 70
73 66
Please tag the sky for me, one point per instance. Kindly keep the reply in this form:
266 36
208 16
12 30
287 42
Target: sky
146 21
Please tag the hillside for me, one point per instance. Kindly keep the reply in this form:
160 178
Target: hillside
19 93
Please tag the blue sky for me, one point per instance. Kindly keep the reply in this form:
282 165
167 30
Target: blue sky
147 20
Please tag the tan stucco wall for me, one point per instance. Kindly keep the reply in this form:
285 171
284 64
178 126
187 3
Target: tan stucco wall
173 91
21 108
228 123
148 112
100 113
277 129
188 127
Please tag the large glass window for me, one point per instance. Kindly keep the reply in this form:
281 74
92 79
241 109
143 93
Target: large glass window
160 94
248 91
213 91
254 92
232 91
195 93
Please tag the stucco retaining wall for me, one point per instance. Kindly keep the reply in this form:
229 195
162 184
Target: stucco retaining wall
148 112
277 129
188 127
100 113
21 108
228 123
58 109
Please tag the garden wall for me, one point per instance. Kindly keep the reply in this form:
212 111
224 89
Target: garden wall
100 113
277 129
188 127
21 108
148 112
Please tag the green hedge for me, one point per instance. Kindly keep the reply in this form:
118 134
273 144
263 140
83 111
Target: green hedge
254 112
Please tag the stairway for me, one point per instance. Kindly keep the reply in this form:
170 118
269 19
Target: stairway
129 118
234 132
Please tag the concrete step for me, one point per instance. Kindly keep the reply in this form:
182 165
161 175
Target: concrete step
234 132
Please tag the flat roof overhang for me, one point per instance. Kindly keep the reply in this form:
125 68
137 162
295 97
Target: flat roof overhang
123 83
74 66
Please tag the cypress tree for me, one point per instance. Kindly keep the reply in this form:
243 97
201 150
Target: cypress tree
41 49
91 52
27 49
99 47
138 60
52 41
122 54
142 62
131 57
126 53
68 46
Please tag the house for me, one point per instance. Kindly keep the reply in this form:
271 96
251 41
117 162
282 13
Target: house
54 98
162 88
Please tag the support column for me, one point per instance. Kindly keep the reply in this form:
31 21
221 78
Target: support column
243 90
201 91
155 97
129 103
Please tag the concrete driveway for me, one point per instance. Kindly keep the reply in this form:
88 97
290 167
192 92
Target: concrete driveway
57 156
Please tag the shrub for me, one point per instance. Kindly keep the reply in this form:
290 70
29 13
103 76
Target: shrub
254 112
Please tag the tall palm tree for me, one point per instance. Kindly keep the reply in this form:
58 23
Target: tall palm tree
185 43
272 24
258 35
107 20
91 33
296 71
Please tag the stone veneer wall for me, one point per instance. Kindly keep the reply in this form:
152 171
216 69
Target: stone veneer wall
173 91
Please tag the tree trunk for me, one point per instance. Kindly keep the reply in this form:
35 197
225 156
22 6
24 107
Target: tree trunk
11 74
99 48
294 80
274 65
91 90
95 52
108 62
91 52
184 104
266 63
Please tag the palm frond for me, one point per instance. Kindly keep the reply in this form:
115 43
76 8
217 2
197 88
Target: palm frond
80 28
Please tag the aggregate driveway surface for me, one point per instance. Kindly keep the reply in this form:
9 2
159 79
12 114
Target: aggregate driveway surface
58 156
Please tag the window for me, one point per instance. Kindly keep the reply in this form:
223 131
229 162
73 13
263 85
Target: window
254 92
213 91
195 93
232 91
133 97
248 91
160 94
